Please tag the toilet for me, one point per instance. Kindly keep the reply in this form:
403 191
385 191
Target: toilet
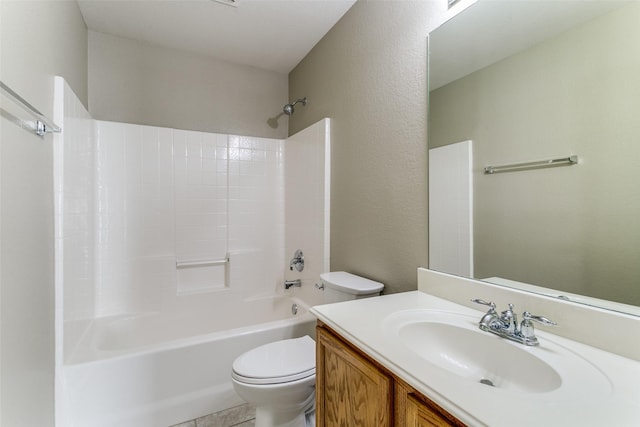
279 378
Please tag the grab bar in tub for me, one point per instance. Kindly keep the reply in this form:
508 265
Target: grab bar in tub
200 262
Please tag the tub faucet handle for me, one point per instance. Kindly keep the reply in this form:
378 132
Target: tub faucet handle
297 261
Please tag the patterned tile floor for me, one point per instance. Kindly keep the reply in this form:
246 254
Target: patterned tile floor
239 416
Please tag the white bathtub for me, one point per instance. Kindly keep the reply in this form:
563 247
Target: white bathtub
157 371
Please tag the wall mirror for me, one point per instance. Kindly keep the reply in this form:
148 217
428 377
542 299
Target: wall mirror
530 80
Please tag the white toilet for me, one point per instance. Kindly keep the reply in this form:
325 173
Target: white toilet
279 378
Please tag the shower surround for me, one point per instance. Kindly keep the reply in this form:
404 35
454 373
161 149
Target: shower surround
172 247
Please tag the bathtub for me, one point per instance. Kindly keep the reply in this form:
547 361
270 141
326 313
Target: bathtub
156 371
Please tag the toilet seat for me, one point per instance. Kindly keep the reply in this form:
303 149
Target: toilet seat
277 362
270 381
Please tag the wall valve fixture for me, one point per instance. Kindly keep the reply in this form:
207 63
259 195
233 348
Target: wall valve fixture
297 261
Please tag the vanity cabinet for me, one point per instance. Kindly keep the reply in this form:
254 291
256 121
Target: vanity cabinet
350 390
354 390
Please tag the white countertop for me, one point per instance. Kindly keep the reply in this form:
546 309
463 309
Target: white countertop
610 397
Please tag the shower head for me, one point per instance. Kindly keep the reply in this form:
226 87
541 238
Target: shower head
288 109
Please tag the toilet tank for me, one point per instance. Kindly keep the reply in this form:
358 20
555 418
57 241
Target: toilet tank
342 286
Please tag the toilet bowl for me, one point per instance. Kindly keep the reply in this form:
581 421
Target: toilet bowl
279 378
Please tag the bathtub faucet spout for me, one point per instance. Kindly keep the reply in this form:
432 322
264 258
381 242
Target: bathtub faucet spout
289 283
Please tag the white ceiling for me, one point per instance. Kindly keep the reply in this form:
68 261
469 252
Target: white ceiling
269 34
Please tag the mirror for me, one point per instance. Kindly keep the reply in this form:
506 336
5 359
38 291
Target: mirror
531 80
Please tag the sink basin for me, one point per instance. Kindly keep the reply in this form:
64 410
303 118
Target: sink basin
479 357
453 343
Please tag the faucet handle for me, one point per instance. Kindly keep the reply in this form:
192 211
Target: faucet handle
483 302
526 327
528 316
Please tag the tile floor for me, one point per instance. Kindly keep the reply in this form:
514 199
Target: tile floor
239 416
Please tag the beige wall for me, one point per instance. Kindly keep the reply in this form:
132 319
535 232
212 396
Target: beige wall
135 82
572 228
369 75
39 39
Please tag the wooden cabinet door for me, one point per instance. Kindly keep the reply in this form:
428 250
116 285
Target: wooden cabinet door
350 390
412 409
420 415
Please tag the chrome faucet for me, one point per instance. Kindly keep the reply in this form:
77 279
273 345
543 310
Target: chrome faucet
505 325
295 283
509 319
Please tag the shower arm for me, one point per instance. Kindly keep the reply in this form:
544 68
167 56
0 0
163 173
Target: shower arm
303 100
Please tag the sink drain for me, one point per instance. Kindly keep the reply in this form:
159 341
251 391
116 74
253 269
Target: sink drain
487 382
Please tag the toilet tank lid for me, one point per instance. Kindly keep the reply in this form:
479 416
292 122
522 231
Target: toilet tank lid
350 283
